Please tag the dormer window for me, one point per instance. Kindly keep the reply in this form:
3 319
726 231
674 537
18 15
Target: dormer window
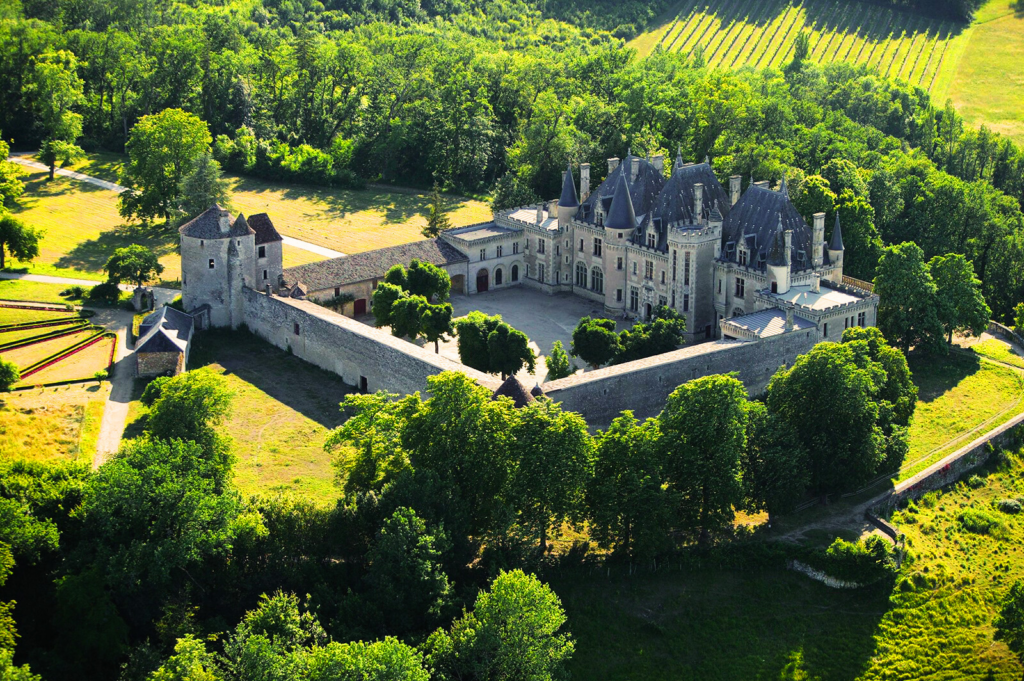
743 257
652 240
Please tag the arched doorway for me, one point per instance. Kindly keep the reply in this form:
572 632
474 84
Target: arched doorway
498 277
515 273
481 281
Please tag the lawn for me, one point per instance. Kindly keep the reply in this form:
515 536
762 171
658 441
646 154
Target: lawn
52 423
723 623
960 397
998 350
79 366
282 410
27 355
24 334
32 291
12 315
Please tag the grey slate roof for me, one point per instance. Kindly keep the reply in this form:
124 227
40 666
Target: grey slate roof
837 236
164 330
514 389
206 225
349 269
777 256
758 214
621 214
264 228
675 201
568 199
643 190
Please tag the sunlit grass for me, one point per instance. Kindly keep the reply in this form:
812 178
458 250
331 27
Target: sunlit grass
52 423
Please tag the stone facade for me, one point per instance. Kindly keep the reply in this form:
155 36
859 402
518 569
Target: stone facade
159 363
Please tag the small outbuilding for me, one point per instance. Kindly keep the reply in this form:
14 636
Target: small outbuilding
165 337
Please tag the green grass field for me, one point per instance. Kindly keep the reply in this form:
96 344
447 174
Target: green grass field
53 423
980 67
724 624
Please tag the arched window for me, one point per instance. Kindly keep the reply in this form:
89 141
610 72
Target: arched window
738 312
597 280
498 277
515 272
581 274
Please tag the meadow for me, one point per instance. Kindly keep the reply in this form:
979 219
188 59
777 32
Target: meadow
52 423
980 67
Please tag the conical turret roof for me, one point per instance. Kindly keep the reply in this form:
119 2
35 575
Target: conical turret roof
777 255
514 389
568 199
837 237
621 214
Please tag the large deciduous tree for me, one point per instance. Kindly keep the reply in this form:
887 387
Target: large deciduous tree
201 187
908 313
595 341
775 467
162 150
703 435
11 186
490 345
17 240
55 90
134 263
428 280
1010 621
384 298
962 307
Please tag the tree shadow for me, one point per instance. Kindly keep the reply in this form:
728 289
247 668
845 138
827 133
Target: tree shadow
92 254
1018 8
935 376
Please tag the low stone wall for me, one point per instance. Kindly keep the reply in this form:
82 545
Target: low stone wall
644 385
951 468
362 355
1005 332
819 576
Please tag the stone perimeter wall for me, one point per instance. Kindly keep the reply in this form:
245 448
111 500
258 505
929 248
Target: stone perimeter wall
346 347
644 385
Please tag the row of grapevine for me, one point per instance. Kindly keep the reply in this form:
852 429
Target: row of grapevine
736 33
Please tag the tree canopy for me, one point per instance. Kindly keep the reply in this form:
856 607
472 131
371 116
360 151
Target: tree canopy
17 240
133 263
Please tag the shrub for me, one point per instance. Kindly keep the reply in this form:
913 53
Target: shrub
978 522
974 482
100 375
864 562
105 292
1011 506
74 292
177 304
8 374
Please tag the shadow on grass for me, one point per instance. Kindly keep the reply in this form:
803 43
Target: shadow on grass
935 376
719 624
311 391
92 254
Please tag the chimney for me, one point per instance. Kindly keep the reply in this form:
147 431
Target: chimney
225 221
659 163
584 181
540 213
735 185
698 202
816 284
789 319
818 241
763 184
613 163
635 169
789 245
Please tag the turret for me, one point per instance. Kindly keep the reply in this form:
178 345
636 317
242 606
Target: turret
567 202
779 267
835 250
621 215
818 241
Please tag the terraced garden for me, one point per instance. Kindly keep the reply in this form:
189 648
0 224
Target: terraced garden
50 347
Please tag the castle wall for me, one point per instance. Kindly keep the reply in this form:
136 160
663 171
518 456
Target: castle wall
644 385
346 347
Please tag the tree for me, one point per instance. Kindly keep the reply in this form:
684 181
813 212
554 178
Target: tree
703 435
11 186
265 639
384 298
774 465
908 312
436 323
406 316
162 150
897 394
17 239
801 50
827 399
190 662
134 263
202 187
629 504
1018 316
552 451
510 191
595 341
387 660
962 307
490 345
427 280
437 221
815 196
860 236
1010 621
55 89
558 363
9 374
512 633
663 333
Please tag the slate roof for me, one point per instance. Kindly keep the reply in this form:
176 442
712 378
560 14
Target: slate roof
761 213
164 330
264 228
514 389
621 214
643 190
837 236
206 225
568 198
537 391
675 202
770 322
349 269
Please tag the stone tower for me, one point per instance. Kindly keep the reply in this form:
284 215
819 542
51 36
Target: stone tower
835 252
568 203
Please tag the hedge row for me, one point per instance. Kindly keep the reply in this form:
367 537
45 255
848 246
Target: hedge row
66 352
19 326
32 340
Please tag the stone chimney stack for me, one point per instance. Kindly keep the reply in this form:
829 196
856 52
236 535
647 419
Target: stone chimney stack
789 244
635 168
225 221
698 202
659 163
789 319
584 181
818 241
613 163
816 284
735 186
540 213
763 184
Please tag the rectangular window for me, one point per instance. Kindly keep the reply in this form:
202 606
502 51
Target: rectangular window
618 295
265 277
663 276
261 252
295 328
634 267
861 318
824 330
634 299
686 269
499 252
483 254
686 302
540 245
846 322
648 269
540 273
719 287
662 301
581 245
211 263
743 257
741 285
673 265
337 291
515 248
618 263
597 247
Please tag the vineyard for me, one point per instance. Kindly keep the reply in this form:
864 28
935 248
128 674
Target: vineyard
738 33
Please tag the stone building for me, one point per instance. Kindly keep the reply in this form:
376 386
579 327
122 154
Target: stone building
165 338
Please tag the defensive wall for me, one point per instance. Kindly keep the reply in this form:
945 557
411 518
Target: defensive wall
363 356
644 385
